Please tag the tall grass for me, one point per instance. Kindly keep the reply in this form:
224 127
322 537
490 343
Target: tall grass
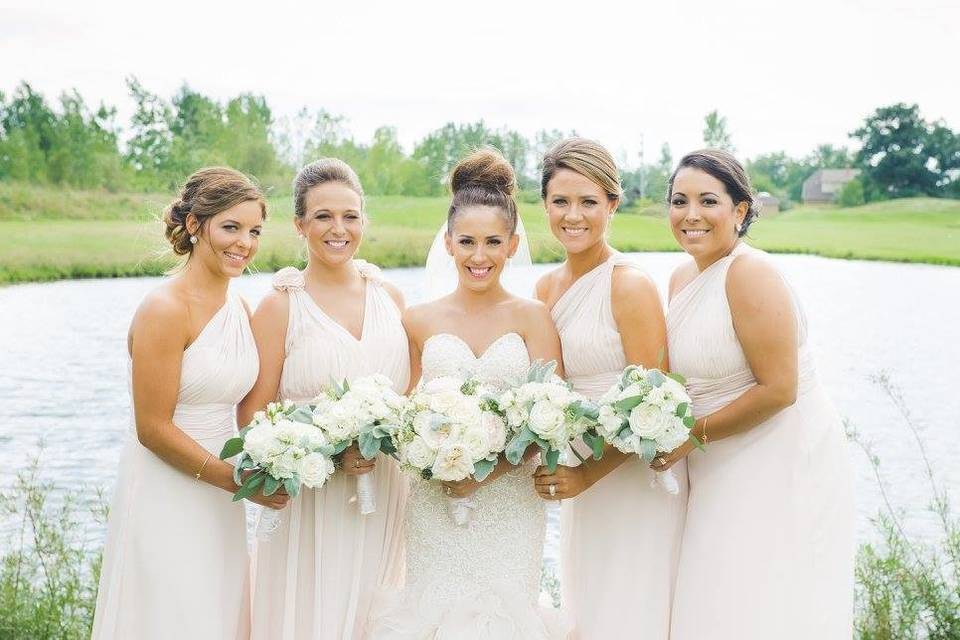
48 579
907 587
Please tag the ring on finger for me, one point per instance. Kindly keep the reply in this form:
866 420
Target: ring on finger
659 462
447 491
553 490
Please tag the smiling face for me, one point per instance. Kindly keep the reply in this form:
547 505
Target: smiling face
480 243
578 210
333 223
703 216
228 241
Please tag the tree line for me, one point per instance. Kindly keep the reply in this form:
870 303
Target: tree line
73 144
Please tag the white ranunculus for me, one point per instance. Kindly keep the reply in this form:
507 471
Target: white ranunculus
547 420
648 421
418 453
453 463
476 441
496 430
315 468
435 433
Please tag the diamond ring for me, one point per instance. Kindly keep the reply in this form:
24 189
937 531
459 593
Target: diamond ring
553 490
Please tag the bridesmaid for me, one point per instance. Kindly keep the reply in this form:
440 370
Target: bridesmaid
175 563
619 535
768 547
337 319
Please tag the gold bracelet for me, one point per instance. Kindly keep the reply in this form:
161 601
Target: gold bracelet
205 461
705 431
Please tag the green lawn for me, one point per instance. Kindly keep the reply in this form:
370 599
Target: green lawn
49 233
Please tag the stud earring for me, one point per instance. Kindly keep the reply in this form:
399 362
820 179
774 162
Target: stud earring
738 227
193 239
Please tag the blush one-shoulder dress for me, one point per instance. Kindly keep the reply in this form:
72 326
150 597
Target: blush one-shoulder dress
768 545
620 538
176 564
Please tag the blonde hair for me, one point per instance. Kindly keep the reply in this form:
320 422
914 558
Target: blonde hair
206 193
588 158
484 178
321 172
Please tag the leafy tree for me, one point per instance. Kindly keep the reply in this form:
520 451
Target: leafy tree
149 147
715 134
902 154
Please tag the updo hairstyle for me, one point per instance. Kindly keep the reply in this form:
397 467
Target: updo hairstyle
728 170
484 178
206 193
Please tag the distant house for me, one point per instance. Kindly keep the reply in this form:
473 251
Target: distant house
769 204
825 184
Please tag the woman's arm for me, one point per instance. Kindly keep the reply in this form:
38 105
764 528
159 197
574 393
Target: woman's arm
638 314
159 335
766 326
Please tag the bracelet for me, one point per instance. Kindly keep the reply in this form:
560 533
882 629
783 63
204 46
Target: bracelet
705 430
203 466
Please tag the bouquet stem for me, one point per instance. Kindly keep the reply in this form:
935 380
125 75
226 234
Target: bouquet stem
460 510
268 524
366 494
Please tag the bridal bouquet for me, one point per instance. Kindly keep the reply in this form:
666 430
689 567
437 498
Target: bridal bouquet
366 411
546 411
280 448
450 430
646 412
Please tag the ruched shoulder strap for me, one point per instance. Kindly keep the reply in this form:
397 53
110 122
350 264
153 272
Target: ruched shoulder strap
370 272
288 279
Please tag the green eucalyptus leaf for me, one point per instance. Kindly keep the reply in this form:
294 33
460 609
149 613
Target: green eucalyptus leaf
682 409
250 486
270 485
627 404
369 445
648 450
292 486
552 458
231 447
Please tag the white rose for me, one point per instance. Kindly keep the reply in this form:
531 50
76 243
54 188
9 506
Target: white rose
453 463
257 441
418 453
516 416
547 421
657 396
315 468
647 421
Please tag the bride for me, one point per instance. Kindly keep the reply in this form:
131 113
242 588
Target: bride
481 580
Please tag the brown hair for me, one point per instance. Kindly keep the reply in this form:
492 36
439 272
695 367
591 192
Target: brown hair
588 158
484 178
321 172
206 193
728 170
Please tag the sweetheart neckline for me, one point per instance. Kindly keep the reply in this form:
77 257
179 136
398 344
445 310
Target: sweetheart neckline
469 348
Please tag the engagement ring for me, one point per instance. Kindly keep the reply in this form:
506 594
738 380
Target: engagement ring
553 490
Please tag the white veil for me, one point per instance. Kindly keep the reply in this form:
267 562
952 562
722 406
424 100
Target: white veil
440 272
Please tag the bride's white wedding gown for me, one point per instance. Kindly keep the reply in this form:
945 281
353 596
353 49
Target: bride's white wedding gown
482 580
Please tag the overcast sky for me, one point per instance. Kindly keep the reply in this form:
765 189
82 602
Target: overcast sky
787 76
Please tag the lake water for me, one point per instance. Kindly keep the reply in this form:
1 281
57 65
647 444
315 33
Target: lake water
63 369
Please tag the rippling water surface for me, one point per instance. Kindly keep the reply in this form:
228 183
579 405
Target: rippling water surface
63 369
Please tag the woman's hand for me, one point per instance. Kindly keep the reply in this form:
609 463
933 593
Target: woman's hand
565 482
460 488
666 460
354 464
277 501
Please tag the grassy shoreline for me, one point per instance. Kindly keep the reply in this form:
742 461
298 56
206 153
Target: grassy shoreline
53 235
